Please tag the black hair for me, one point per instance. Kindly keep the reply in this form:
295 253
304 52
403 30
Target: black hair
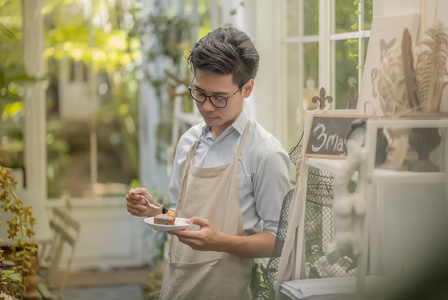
226 51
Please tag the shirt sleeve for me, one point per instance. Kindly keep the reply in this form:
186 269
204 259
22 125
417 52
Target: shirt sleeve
271 165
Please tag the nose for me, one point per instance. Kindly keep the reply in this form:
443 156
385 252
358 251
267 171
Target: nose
208 106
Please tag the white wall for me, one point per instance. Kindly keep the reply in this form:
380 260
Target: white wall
397 7
430 10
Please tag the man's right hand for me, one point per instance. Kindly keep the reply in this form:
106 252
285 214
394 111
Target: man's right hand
137 206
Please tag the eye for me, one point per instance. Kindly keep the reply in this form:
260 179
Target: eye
219 99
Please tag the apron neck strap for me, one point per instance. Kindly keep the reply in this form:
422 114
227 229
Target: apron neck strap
193 148
243 138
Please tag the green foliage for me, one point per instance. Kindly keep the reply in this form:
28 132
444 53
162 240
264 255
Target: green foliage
352 44
7 32
14 272
259 287
71 32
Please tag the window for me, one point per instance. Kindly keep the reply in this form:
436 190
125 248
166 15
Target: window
92 98
93 94
325 43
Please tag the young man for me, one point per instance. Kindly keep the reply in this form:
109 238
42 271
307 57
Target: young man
229 178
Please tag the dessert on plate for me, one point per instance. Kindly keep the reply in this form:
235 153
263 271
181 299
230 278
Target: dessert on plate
168 218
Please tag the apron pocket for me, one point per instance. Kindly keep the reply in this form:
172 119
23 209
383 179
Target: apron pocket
194 281
211 279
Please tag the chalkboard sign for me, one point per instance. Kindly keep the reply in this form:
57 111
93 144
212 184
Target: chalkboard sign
327 135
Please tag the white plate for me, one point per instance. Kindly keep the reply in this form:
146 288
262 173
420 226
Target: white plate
180 223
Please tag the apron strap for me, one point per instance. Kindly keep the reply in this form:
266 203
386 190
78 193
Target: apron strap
193 148
243 138
189 162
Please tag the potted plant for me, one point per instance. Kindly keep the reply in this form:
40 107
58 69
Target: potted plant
17 261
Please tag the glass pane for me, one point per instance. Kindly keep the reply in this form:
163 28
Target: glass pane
299 94
346 72
292 17
310 17
311 74
345 15
368 14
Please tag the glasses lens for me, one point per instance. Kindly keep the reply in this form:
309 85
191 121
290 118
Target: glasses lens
198 96
218 101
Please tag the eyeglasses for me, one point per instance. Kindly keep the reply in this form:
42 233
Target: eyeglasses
217 101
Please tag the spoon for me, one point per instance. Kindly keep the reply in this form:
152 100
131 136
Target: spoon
149 203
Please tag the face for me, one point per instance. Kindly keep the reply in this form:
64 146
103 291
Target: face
220 85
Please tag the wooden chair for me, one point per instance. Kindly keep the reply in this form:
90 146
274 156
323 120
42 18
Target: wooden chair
65 233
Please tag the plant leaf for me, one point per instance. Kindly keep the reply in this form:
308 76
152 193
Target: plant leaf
7 32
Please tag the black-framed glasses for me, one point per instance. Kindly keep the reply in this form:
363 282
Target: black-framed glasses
217 101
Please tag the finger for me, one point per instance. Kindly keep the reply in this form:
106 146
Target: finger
139 191
199 221
135 200
136 209
184 234
132 197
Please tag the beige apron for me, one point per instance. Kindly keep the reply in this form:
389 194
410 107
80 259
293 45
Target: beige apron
210 193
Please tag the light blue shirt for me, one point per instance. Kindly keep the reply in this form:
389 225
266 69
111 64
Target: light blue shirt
263 169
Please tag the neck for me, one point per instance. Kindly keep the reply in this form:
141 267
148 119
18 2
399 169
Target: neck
216 132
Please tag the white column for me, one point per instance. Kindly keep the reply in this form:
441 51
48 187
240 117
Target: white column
34 99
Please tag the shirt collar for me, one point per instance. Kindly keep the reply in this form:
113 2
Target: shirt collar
239 124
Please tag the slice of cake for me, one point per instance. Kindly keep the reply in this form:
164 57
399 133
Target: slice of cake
164 219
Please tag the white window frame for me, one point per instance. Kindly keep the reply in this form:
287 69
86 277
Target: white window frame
326 40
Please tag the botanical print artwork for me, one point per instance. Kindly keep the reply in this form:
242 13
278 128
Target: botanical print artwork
386 32
384 47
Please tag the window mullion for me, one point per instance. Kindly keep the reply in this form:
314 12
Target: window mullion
301 70
324 44
332 31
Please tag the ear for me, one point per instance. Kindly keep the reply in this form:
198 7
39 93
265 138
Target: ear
248 87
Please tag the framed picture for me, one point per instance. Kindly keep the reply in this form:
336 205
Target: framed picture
386 33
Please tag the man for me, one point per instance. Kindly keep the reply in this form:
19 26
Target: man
229 178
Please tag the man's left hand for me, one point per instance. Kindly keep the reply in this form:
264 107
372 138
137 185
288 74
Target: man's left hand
207 238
